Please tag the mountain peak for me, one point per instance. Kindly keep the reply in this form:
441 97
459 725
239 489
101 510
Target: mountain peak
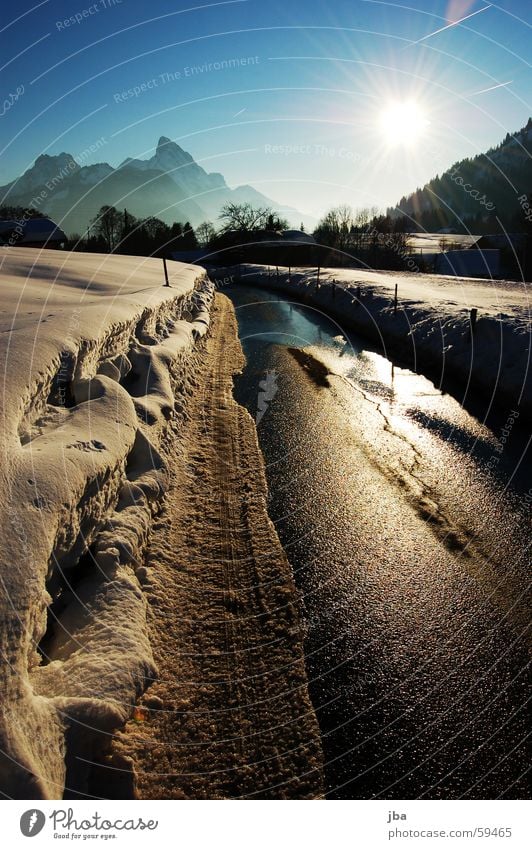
47 167
169 154
164 141
45 160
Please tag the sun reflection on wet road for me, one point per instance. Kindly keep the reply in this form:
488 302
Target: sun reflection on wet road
409 544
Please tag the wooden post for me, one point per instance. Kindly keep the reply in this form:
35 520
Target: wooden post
358 292
395 301
167 283
318 280
473 319
289 273
277 272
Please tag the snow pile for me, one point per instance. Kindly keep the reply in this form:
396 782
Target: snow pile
431 329
98 361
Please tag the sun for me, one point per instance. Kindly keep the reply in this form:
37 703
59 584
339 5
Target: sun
403 123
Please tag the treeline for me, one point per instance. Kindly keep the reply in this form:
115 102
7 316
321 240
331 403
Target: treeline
500 219
115 231
364 237
250 234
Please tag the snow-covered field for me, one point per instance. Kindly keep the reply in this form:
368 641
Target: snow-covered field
98 360
431 329
431 243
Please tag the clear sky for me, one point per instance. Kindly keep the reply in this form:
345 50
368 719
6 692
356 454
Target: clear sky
304 99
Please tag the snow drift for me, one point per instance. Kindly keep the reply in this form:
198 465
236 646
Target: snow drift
431 330
98 361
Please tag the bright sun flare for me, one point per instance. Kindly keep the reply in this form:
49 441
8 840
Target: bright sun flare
403 123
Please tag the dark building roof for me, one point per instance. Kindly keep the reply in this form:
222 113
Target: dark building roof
189 256
501 240
41 231
298 236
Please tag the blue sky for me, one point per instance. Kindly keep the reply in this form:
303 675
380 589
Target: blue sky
296 108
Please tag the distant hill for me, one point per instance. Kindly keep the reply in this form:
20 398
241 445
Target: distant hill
475 190
170 185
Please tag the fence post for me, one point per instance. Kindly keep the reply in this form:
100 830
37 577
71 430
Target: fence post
277 272
165 272
395 301
289 273
473 319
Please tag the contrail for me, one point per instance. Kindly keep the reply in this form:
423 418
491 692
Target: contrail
239 113
491 88
448 26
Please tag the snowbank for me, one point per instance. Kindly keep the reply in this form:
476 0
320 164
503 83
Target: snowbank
430 332
98 360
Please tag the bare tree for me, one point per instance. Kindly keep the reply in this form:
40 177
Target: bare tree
205 233
334 229
108 224
156 229
244 217
362 218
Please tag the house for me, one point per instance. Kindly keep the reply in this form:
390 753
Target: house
32 233
469 263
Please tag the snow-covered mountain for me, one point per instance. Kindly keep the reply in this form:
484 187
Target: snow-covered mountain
170 185
178 164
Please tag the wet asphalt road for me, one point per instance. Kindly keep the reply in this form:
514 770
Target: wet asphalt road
407 523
